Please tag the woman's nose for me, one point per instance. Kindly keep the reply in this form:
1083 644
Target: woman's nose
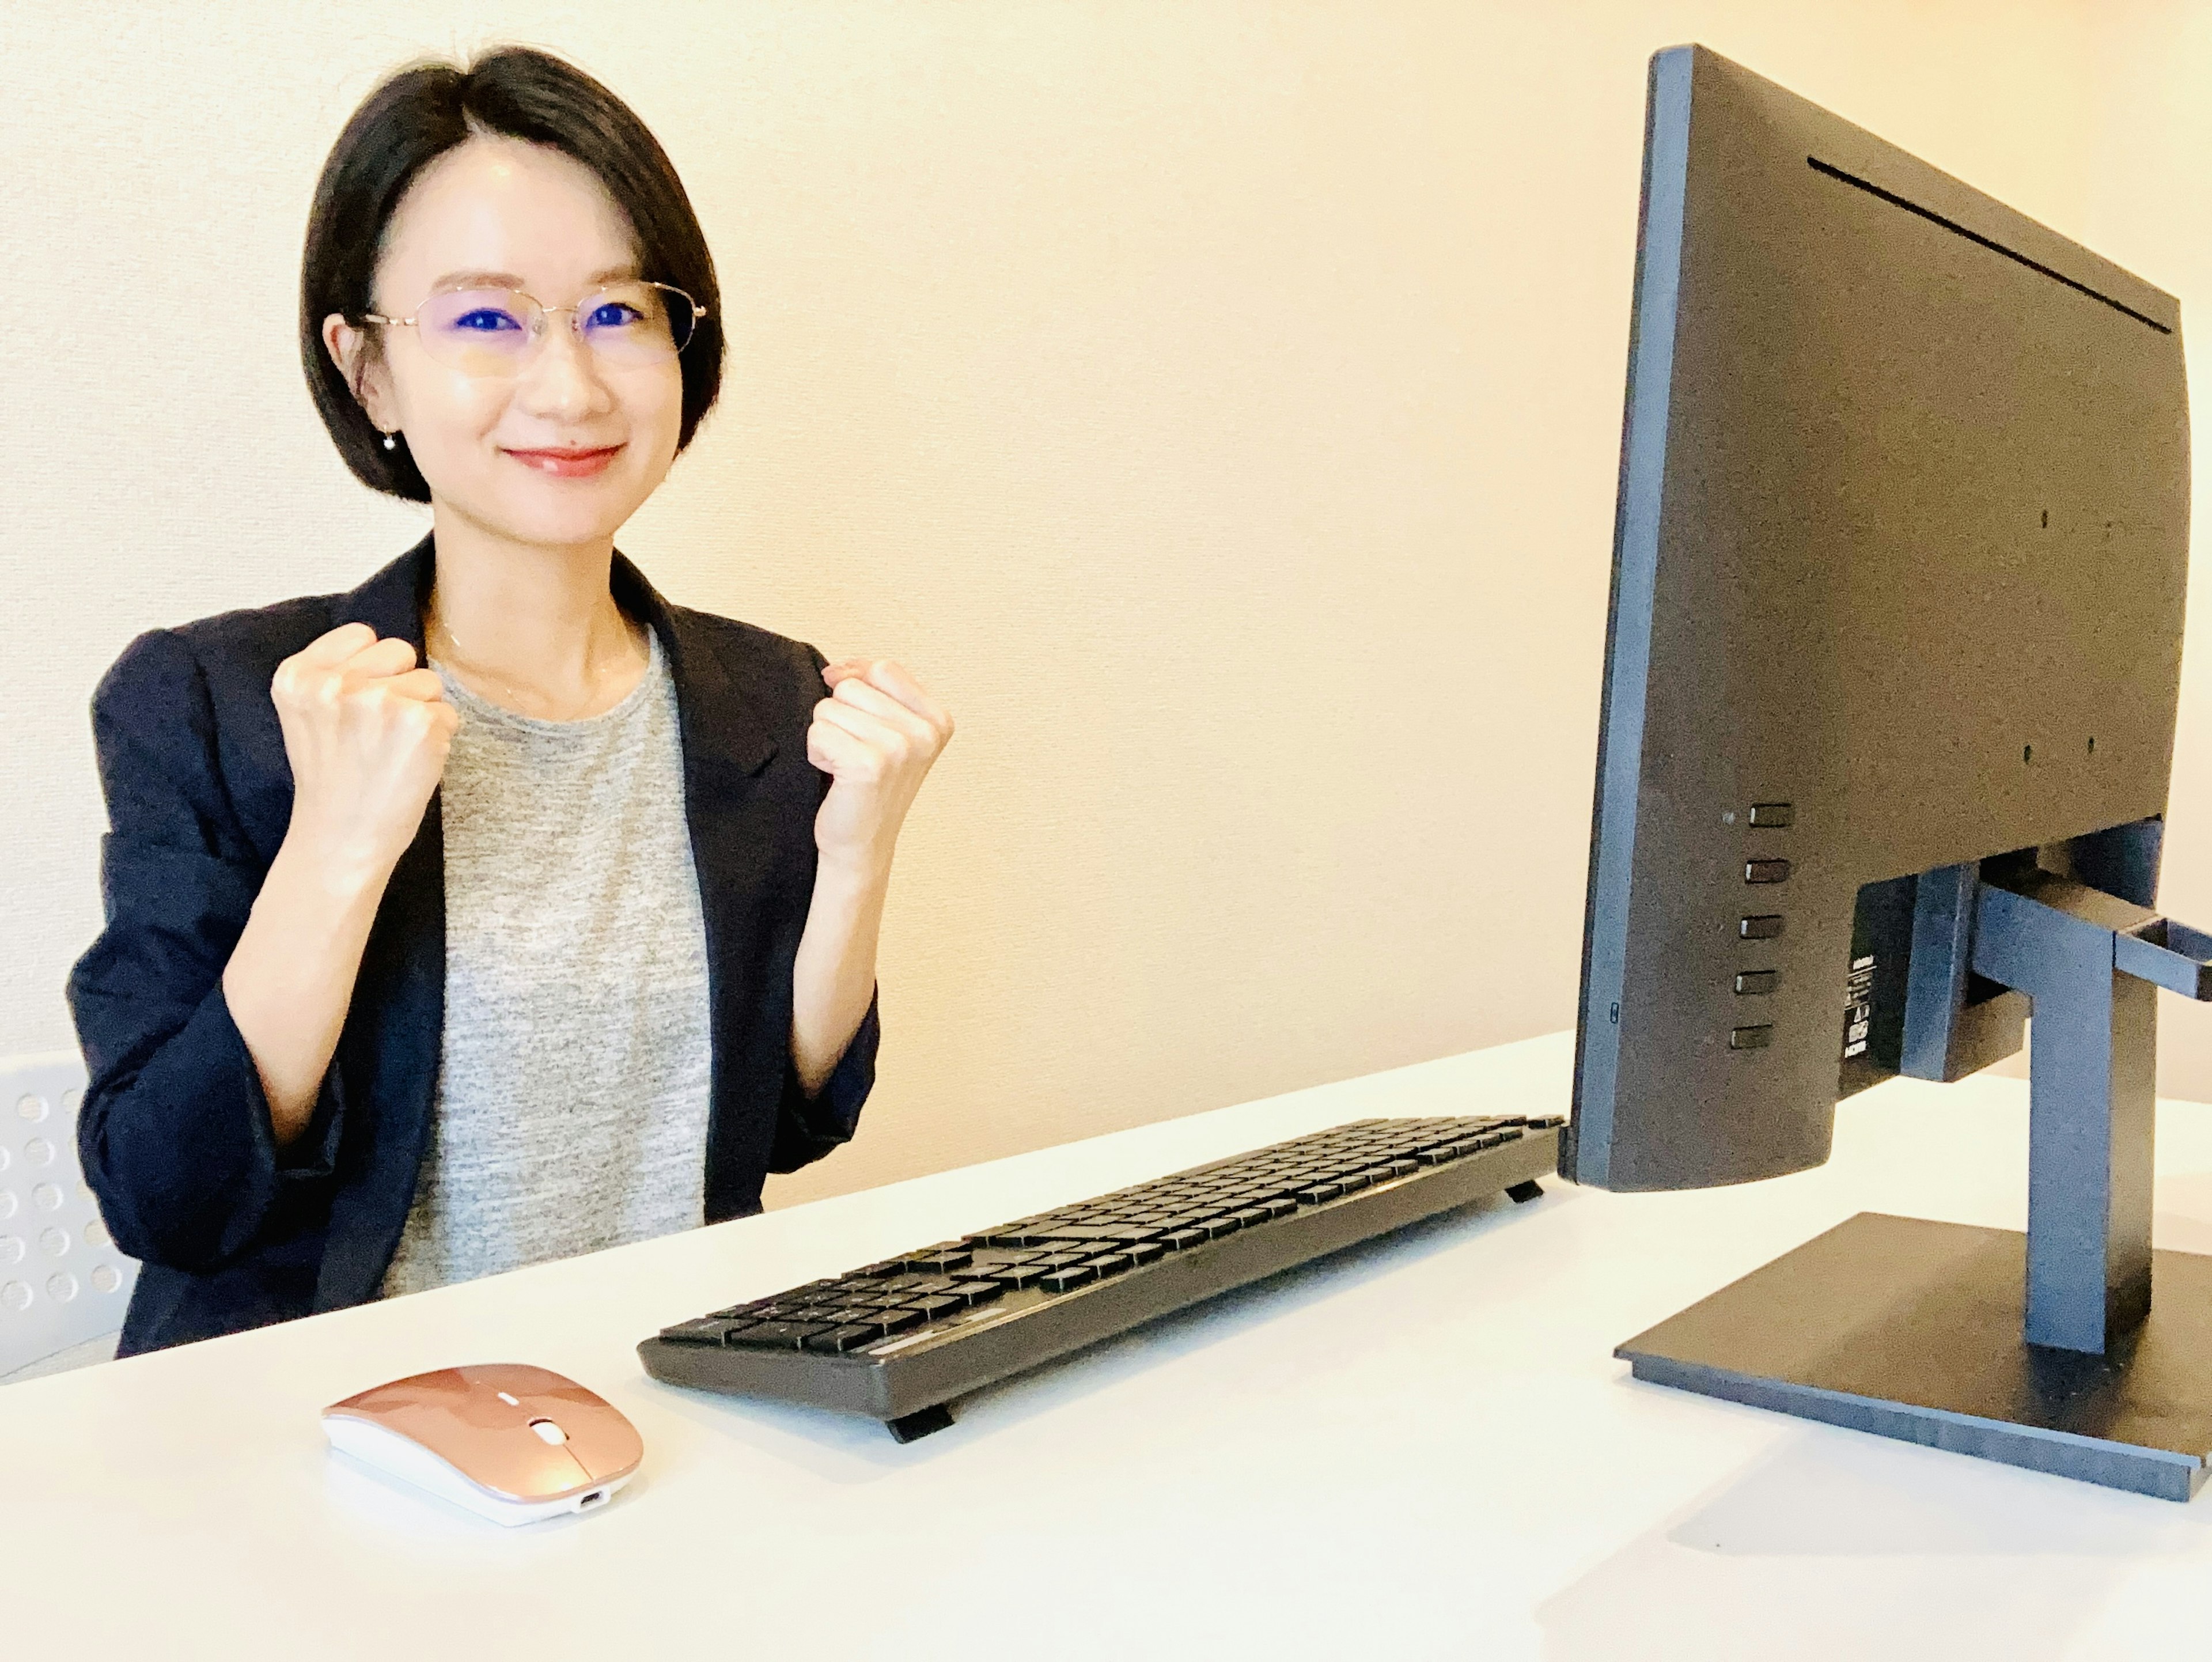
561 377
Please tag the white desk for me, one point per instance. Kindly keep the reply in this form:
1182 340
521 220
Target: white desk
1421 1449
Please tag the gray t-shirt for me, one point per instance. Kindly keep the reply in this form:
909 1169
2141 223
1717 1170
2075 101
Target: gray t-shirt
572 1099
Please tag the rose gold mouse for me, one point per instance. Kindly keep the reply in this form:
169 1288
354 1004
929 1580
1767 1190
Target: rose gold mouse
510 1442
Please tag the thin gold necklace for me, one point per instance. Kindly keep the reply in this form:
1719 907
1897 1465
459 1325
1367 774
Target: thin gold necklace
434 621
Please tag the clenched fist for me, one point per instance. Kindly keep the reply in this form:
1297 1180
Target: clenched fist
367 733
875 735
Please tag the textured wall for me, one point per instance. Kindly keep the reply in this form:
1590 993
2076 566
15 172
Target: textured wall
1219 403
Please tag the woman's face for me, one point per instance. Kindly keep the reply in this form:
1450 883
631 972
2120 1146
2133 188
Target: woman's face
564 446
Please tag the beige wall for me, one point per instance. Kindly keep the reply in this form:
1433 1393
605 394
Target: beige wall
2149 207
1219 403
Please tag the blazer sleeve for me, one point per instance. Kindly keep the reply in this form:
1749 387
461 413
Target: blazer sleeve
807 1127
175 1134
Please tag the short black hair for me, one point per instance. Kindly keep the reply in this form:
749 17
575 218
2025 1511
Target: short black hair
416 115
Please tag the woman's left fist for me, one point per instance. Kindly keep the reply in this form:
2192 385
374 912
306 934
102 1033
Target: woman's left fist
875 735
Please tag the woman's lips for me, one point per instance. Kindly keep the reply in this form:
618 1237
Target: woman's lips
568 463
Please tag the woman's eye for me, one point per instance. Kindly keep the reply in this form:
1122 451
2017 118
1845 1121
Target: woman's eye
486 320
612 315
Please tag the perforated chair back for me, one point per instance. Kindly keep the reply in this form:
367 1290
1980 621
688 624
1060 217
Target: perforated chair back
62 1281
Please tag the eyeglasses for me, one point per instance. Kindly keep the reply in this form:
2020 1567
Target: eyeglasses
494 331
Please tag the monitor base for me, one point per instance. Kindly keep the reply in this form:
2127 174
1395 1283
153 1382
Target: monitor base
1911 1329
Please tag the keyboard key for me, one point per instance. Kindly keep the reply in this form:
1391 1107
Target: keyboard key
761 1309
1254 1215
936 1304
1021 1234
1179 1240
898 1321
707 1330
1019 1274
1109 1264
775 1336
837 1340
975 1293
1067 1277
1318 1193
939 1259
1217 1227
1150 1251
1281 1208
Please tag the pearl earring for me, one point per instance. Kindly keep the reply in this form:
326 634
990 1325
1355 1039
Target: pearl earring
390 442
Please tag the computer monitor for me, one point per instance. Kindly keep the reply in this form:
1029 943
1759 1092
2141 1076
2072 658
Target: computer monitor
1888 715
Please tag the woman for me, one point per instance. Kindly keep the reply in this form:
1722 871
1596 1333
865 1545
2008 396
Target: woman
498 909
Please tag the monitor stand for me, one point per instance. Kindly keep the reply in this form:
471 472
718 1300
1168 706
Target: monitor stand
1916 1329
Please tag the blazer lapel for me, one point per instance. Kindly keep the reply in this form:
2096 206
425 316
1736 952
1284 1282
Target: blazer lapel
389 1052
727 744
724 738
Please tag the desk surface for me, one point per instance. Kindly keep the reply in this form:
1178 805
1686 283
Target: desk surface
1420 1448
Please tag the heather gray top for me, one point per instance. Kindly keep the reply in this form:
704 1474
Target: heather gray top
572 1096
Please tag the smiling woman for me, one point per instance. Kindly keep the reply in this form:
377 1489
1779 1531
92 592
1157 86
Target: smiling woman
498 909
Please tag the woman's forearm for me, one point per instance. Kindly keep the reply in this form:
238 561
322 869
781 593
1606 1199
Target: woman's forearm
834 977
290 978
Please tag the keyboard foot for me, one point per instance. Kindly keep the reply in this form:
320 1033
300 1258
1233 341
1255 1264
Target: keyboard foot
1522 1193
919 1423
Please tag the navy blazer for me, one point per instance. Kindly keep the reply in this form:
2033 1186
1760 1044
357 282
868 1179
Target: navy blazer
175 1132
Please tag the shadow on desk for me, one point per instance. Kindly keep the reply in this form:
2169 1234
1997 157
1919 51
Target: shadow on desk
842 1448
1849 1546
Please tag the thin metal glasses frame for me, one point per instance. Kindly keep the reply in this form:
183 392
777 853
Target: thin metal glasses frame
576 311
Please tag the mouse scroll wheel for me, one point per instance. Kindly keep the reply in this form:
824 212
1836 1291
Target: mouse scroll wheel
548 1433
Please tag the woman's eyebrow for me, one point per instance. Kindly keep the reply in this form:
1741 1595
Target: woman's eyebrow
510 280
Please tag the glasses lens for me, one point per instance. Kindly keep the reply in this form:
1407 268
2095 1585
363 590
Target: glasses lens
481 332
636 322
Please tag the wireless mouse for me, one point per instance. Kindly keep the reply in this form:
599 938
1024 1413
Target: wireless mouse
510 1442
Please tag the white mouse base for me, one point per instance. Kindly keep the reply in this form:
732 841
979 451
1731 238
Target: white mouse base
410 1462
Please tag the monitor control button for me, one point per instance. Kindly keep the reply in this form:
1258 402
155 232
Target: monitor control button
1752 982
1774 815
1766 871
1759 928
1751 1039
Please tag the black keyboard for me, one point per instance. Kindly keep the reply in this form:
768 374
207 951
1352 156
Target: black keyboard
899 1339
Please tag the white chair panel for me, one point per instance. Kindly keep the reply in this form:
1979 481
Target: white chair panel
62 1280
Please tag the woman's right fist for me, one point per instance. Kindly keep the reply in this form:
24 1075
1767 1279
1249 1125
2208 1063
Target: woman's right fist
366 733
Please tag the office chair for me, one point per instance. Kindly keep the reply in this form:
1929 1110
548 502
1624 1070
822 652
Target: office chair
62 1285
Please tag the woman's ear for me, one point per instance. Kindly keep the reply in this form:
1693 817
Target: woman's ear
364 370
